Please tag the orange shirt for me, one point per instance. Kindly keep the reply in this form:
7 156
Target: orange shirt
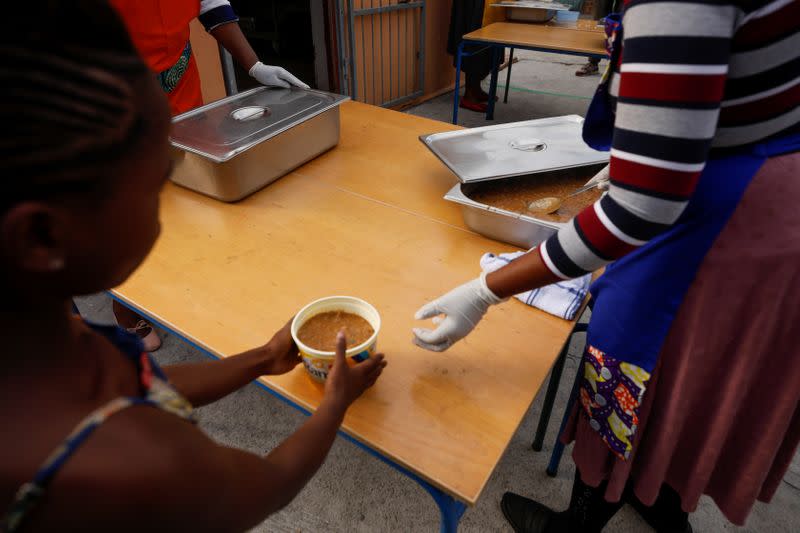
160 30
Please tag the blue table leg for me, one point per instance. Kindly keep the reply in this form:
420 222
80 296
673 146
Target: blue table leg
552 389
495 51
508 74
457 89
550 397
451 509
558 447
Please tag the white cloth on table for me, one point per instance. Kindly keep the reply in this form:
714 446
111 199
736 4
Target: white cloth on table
562 299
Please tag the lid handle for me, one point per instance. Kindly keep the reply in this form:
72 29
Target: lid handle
243 114
528 145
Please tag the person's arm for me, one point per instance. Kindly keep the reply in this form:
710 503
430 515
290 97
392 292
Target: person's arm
523 274
296 460
670 83
201 484
236 489
230 36
668 90
219 19
204 383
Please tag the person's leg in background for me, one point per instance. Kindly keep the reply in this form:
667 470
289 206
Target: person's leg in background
601 9
474 95
133 323
467 16
592 66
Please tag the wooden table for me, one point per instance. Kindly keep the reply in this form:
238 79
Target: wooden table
366 219
555 38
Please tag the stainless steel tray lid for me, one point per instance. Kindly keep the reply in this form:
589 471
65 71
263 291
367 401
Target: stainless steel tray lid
514 149
224 128
532 4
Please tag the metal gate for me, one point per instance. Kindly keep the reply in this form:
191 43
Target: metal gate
381 49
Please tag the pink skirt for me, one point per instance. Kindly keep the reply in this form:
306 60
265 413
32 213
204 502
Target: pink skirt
721 415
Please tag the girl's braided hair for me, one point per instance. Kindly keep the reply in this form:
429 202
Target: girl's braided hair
67 73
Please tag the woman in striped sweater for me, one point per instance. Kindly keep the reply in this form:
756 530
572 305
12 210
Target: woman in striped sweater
690 383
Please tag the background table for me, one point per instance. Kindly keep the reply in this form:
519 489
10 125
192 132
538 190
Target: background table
365 219
554 38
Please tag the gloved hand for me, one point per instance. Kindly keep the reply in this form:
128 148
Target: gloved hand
274 76
603 178
463 308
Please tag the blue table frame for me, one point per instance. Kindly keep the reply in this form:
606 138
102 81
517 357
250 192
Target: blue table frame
497 50
451 510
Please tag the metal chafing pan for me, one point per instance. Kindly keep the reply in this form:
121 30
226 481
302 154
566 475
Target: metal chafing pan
520 230
531 11
235 146
509 150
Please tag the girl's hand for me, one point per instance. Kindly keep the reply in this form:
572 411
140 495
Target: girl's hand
280 353
345 384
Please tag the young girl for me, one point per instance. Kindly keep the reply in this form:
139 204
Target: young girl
95 437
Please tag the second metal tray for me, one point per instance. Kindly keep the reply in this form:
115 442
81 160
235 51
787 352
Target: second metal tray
514 149
513 228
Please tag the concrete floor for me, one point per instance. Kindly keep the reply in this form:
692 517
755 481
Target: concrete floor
357 492
542 85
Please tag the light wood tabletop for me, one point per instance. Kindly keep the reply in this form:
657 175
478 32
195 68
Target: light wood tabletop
380 156
365 219
542 36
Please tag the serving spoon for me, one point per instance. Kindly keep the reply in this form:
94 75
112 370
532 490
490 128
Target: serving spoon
550 204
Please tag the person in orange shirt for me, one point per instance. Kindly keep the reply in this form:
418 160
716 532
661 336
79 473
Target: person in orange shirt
160 31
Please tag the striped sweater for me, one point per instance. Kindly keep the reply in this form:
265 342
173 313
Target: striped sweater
694 77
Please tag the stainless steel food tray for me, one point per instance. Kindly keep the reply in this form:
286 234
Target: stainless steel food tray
514 149
233 147
520 230
534 11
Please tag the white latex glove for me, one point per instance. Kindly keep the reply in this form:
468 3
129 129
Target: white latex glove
463 308
603 178
274 76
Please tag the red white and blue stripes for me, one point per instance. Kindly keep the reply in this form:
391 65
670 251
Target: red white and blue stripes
694 76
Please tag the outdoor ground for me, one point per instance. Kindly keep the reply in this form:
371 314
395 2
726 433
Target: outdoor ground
357 492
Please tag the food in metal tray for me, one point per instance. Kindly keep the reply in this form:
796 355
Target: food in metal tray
515 194
319 332
544 205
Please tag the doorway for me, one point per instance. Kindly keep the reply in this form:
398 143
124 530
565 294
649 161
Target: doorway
288 33
381 45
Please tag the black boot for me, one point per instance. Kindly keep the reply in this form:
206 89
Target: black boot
528 516
666 514
588 511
